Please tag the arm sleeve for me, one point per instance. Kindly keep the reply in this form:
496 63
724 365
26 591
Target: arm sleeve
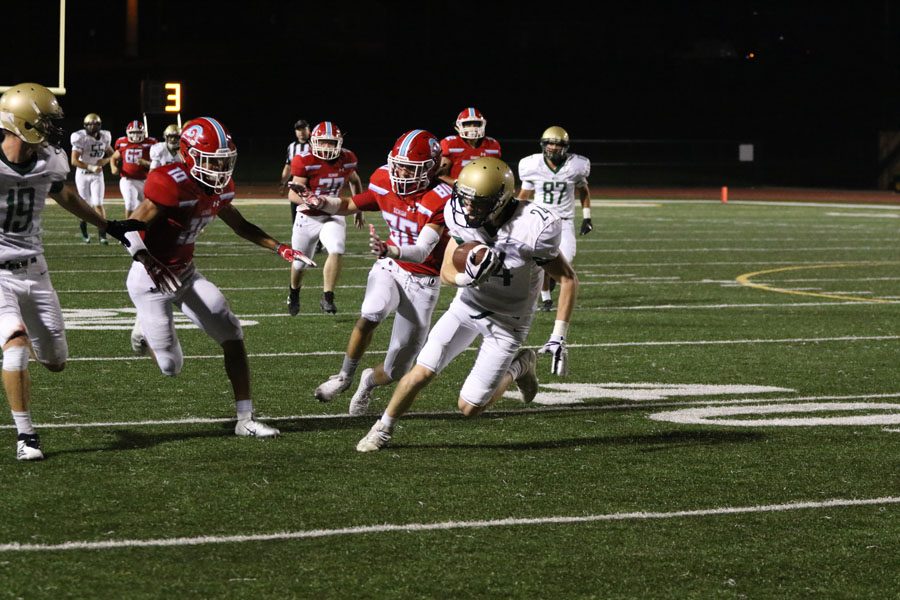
425 243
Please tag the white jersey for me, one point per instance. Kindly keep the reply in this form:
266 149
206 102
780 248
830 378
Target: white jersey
160 155
22 200
92 149
529 239
555 190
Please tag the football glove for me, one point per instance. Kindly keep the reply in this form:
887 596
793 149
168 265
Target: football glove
359 219
479 272
290 255
118 229
378 247
586 226
162 277
559 355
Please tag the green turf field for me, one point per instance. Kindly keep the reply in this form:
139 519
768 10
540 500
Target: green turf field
730 428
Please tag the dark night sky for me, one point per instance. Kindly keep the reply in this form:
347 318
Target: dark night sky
822 82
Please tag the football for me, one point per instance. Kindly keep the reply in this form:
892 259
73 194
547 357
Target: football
462 253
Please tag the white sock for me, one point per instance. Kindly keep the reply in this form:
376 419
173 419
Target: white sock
349 367
369 380
244 409
545 296
23 422
515 369
388 421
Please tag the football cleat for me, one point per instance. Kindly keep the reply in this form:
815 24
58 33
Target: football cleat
28 447
377 438
527 380
293 303
86 239
104 241
547 305
138 341
330 389
251 428
359 404
327 306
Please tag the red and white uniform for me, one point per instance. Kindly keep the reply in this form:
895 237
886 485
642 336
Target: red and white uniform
132 174
187 207
461 153
324 178
409 289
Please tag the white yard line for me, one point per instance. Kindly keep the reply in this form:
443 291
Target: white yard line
445 526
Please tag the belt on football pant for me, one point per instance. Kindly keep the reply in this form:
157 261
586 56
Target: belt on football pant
14 265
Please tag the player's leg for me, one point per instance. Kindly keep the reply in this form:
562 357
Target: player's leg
304 236
381 299
83 185
205 305
333 237
16 379
418 298
100 184
498 364
132 193
156 320
450 336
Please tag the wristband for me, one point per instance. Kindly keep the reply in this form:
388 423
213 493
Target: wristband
135 243
560 328
586 212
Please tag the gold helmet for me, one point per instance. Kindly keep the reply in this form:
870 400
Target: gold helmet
92 123
484 188
172 135
558 137
28 110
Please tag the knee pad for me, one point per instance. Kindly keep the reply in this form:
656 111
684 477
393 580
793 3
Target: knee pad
15 358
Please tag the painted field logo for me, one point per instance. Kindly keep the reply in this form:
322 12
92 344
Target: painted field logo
577 393
787 414
108 319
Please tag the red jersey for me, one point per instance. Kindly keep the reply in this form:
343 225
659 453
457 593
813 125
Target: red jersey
324 177
187 208
132 153
461 153
406 216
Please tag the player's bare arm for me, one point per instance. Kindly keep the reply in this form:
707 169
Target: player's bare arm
114 162
69 199
448 270
525 195
252 233
584 194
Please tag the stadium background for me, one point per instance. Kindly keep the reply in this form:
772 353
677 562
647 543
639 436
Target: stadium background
810 85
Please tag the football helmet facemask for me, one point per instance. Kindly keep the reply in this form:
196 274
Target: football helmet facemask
92 123
173 136
326 141
471 124
135 132
208 151
28 110
483 190
413 162
559 139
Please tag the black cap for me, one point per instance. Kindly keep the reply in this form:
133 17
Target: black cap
301 124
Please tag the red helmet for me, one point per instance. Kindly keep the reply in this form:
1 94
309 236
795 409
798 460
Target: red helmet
135 131
208 152
470 124
326 140
413 161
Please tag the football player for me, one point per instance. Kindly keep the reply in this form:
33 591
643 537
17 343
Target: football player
496 298
324 171
181 199
551 179
469 143
91 151
32 167
405 278
166 152
131 158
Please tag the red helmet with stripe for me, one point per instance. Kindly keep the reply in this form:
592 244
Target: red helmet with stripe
326 140
413 161
135 131
208 152
471 124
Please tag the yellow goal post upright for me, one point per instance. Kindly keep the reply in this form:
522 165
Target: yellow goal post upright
60 88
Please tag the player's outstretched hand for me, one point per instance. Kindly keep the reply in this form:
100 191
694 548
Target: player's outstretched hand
118 229
378 247
291 255
359 219
559 355
586 226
